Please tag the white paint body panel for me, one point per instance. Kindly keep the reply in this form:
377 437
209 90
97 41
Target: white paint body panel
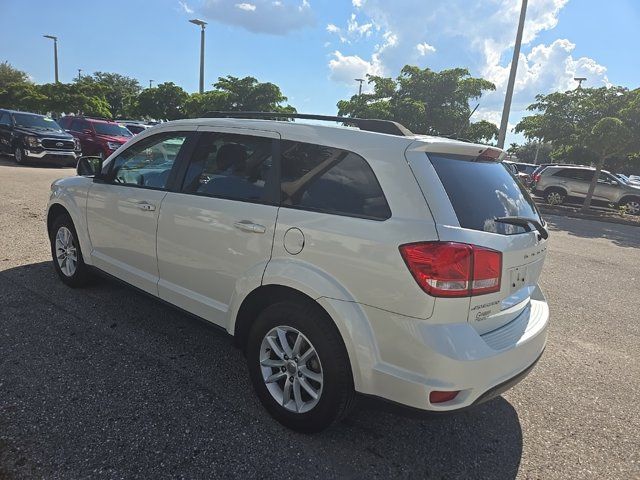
402 343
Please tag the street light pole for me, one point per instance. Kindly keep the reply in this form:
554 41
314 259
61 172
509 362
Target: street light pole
202 25
512 77
55 54
150 83
79 74
580 80
361 80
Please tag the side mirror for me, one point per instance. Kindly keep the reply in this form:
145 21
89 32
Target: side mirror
89 166
615 183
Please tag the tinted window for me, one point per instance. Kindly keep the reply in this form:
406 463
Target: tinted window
230 166
135 129
607 178
330 180
78 125
148 163
4 119
111 129
37 122
480 191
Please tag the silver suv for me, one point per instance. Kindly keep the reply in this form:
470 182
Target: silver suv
556 184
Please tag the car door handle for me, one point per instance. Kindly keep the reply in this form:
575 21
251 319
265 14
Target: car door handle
149 207
247 226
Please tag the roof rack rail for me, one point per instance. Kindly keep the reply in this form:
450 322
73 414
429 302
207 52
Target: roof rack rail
368 124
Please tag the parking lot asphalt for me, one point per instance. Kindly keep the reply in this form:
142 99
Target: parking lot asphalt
108 383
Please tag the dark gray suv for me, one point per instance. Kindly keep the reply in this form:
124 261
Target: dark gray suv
556 184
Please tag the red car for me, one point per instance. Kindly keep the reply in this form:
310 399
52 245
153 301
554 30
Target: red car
98 136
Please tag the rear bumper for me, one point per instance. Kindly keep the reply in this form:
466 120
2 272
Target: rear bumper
416 357
55 157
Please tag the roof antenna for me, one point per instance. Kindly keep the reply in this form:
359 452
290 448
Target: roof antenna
464 125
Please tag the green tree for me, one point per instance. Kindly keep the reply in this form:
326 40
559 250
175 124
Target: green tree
425 101
481 132
200 103
119 91
73 98
597 123
9 75
164 102
532 152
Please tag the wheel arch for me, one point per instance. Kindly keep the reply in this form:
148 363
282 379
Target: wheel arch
555 188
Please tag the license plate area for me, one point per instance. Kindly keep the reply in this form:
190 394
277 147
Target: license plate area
518 278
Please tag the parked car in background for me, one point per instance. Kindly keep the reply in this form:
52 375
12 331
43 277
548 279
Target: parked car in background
98 136
559 183
30 137
341 260
627 179
134 126
523 171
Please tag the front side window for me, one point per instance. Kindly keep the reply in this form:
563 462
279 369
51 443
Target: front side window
230 166
330 180
79 125
5 119
148 163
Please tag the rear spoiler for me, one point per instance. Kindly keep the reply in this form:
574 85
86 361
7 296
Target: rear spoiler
445 146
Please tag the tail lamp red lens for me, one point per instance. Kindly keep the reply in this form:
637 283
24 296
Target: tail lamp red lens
441 397
450 269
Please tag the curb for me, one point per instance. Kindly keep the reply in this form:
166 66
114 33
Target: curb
545 209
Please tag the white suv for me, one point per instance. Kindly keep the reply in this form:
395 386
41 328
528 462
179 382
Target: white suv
342 260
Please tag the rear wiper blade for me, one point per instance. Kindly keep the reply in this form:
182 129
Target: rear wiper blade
526 223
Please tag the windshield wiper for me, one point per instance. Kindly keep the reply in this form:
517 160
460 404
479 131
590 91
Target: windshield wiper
525 223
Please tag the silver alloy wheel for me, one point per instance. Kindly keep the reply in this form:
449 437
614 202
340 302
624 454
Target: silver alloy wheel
291 369
18 155
554 198
633 207
66 254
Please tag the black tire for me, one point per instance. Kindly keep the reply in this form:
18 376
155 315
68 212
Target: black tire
337 396
18 155
82 274
555 196
632 204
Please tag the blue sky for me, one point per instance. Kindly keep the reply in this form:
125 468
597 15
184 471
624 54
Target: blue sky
314 49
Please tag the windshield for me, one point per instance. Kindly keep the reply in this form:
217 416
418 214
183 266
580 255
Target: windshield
111 129
481 191
36 121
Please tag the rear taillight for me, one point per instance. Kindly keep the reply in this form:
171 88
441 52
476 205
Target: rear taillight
449 269
441 397
536 177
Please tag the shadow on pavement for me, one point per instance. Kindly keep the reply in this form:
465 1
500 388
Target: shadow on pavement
621 235
105 380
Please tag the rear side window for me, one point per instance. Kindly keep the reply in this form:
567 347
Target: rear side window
575 174
330 180
236 167
481 191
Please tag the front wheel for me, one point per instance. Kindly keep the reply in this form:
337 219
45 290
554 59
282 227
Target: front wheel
67 257
299 367
632 206
18 155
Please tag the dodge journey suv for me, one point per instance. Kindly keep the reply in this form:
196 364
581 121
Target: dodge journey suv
345 262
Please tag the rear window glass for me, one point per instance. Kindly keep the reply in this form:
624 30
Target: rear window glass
480 191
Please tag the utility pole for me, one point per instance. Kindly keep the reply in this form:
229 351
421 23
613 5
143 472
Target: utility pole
361 80
55 54
150 83
202 25
512 77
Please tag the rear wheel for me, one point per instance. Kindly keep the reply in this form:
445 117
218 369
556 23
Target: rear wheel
631 205
67 257
554 196
299 367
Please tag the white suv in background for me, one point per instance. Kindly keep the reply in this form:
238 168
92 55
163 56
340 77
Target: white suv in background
342 260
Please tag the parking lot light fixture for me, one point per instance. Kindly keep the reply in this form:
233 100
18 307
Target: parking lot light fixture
202 25
55 54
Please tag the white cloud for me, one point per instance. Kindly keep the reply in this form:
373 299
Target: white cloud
247 7
478 34
424 48
276 17
185 7
360 29
331 28
346 68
